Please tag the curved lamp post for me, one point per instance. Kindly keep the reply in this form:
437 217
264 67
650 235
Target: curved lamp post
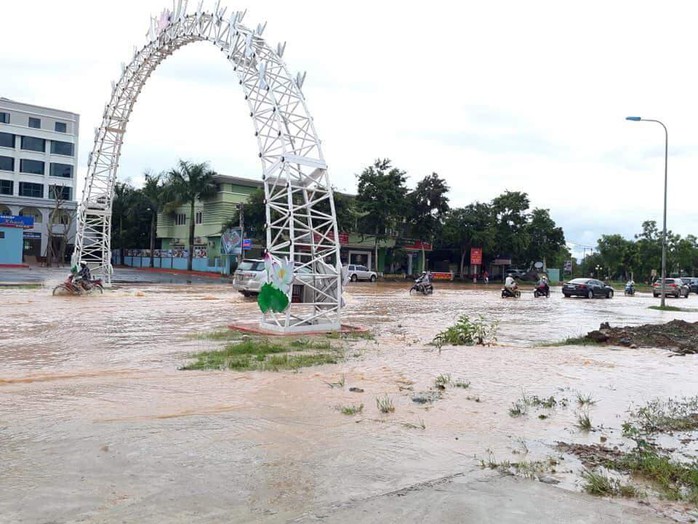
666 159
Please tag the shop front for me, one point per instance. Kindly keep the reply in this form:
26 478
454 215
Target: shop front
12 239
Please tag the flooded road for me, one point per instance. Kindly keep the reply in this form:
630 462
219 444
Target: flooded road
97 424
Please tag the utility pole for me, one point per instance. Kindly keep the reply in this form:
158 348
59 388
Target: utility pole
241 208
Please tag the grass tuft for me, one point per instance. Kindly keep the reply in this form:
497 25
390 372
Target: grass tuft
583 421
385 404
351 410
585 400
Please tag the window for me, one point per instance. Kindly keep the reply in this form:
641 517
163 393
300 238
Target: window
27 189
7 163
180 219
2 234
199 217
31 212
61 148
62 170
7 140
6 187
59 192
35 123
4 118
60 127
34 167
31 143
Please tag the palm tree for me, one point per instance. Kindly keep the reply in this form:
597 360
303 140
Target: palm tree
192 182
158 195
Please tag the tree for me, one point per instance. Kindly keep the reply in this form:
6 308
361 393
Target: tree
192 182
123 194
254 216
613 250
510 209
60 222
649 248
428 205
381 196
545 239
470 226
158 195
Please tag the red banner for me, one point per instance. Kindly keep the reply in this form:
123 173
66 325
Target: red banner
476 256
417 244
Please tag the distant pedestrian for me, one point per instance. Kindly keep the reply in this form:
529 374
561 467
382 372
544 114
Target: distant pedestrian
486 277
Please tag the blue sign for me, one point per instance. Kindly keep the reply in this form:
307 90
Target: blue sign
28 235
16 221
247 243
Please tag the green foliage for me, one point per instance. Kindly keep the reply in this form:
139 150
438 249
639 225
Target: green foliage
467 332
261 354
272 298
604 486
351 410
191 182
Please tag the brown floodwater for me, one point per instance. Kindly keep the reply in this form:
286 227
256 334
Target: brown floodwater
98 424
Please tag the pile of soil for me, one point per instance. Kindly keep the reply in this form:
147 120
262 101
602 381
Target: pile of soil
678 336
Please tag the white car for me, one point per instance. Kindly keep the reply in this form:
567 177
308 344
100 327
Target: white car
358 272
250 276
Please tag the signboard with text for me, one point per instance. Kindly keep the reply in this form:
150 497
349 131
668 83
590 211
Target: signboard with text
476 256
16 221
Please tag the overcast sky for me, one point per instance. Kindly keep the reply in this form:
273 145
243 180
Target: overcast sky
492 96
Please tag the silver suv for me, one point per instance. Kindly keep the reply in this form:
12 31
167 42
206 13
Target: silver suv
250 276
358 272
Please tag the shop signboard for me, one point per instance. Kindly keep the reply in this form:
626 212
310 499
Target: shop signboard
476 256
16 221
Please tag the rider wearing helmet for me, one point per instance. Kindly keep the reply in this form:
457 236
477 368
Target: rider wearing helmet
84 276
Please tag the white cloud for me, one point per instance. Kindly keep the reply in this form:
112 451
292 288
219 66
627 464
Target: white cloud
490 95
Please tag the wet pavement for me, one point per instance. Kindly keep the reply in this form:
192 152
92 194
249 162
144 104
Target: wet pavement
97 424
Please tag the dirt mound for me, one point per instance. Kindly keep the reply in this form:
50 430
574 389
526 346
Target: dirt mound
678 336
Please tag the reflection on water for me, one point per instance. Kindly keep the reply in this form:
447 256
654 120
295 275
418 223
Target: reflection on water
95 418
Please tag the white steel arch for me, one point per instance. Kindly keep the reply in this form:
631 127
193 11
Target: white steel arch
301 221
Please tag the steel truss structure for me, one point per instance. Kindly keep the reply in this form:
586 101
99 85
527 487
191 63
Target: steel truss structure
301 221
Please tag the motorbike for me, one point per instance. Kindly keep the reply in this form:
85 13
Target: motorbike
509 294
629 290
542 290
76 287
425 288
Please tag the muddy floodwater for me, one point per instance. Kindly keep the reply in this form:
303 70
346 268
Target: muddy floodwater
98 424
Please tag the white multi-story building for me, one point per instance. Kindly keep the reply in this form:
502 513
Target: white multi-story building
38 168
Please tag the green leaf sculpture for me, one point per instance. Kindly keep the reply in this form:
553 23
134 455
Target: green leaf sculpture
272 298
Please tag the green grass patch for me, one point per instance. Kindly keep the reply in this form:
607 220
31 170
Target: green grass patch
219 334
21 286
603 486
351 410
262 354
675 480
667 308
664 416
467 332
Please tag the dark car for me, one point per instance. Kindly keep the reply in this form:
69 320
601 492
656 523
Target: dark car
692 283
674 286
586 287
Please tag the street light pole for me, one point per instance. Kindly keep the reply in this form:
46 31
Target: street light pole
666 163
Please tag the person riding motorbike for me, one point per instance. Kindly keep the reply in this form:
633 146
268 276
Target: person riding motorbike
543 285
630 287
424 280
510 284
83 276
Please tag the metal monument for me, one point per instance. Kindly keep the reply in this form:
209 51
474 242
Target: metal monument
301 225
